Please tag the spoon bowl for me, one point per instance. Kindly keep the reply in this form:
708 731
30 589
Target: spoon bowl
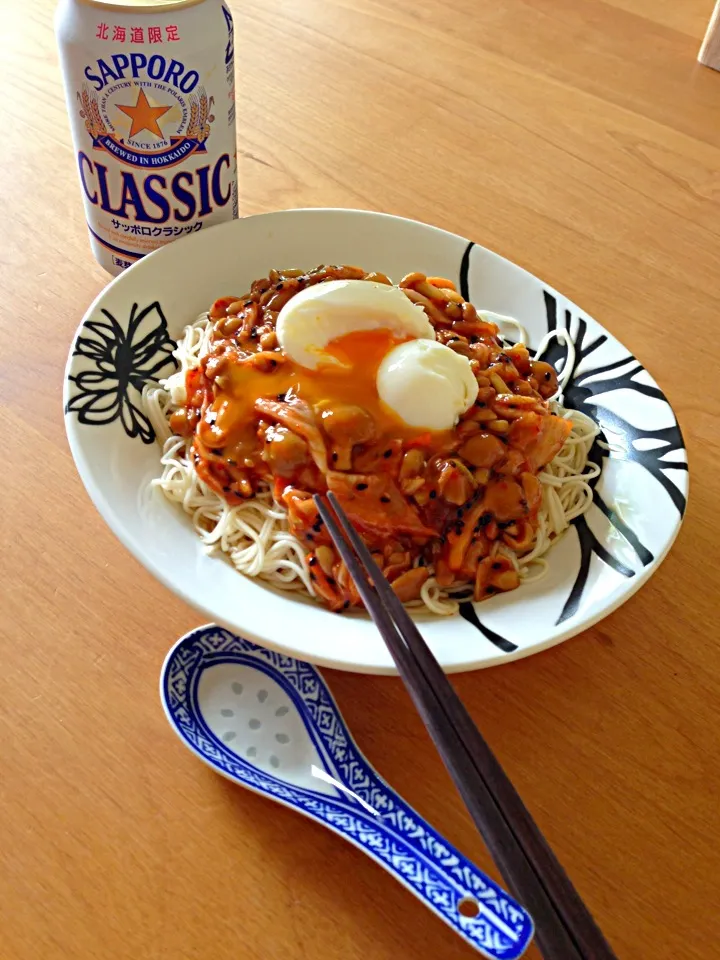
270 723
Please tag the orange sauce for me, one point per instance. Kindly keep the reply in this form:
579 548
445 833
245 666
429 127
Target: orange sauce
352 381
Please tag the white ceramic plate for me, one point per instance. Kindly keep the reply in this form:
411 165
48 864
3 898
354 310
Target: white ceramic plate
126 337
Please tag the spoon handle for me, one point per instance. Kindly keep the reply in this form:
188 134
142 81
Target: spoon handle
408 847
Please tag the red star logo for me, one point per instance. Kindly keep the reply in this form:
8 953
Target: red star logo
143 116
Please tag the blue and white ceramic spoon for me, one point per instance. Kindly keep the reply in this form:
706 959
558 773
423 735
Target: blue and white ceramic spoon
270 723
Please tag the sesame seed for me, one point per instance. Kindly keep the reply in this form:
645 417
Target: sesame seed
361 486
387 453
497 566
490 589
313 577
312 561
485 519
346 605
384 499
334 458
433 494
331 581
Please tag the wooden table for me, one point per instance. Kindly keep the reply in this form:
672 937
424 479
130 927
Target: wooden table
580 139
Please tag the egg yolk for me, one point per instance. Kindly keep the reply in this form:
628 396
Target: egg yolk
350 380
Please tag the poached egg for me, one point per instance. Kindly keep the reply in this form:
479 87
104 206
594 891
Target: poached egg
347 329
427 384
313 318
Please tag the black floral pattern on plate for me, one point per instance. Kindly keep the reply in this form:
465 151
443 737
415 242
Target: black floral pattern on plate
579 395
123 360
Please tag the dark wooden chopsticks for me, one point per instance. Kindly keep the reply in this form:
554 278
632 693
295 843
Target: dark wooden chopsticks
564 927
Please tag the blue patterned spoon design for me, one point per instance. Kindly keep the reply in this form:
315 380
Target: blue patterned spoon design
269 723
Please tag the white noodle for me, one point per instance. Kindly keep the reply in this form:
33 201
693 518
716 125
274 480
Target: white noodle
255 536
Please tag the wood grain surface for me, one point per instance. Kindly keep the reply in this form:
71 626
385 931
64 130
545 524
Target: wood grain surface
579 138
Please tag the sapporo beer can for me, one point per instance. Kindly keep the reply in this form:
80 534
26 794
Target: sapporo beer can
150 88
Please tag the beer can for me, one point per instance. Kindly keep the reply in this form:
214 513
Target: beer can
150 89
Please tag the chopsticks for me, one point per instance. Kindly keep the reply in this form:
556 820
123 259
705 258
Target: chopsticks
564 927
